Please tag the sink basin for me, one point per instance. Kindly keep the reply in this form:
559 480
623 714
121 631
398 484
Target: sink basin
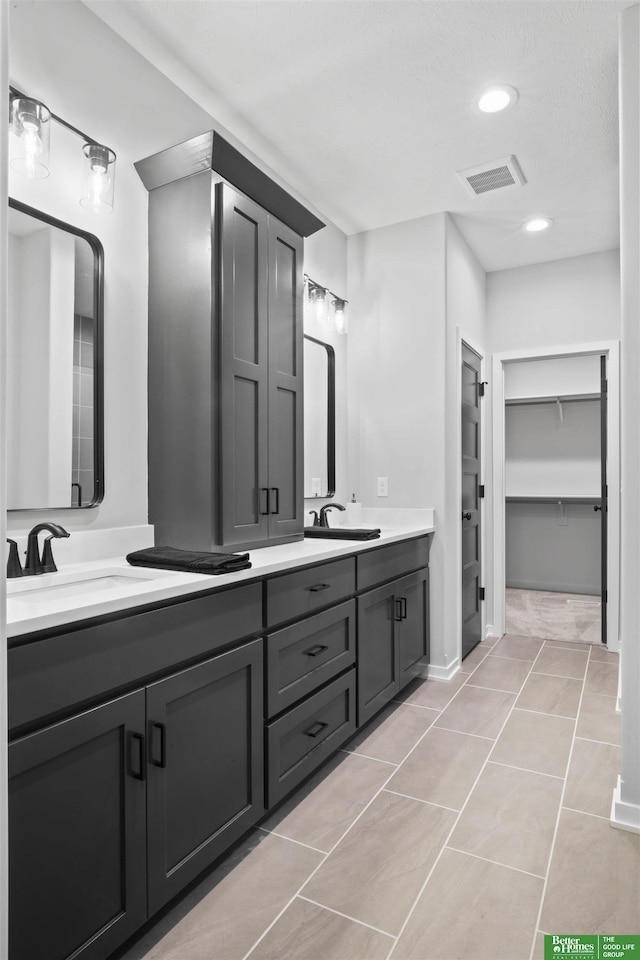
342 533
68 586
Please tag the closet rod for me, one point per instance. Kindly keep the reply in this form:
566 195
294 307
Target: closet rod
568 398
586 500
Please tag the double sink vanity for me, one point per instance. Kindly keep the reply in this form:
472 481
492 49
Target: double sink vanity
156 716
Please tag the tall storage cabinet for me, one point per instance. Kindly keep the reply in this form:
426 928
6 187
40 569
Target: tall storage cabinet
260 372
225 350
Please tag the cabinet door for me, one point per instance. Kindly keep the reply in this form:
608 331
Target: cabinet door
77 834
243 368
413 644
286 438
205 784
378 668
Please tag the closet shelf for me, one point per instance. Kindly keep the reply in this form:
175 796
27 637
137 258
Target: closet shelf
534 499
563 398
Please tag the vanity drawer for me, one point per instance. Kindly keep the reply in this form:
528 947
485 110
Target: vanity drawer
52 676
298 594
301 741
302 657
387 563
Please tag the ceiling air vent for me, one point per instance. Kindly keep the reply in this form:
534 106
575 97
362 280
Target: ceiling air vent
492 176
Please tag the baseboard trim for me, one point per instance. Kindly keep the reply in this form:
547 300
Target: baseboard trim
490 633
443 673
624 816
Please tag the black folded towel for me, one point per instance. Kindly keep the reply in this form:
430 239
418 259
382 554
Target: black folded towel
343 533
191 561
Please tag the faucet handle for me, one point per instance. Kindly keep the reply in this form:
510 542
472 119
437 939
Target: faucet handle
14 568
48 563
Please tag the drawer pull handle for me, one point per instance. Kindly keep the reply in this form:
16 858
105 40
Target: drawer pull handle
136 759
314 651
397 616
316 729
317 587
162 762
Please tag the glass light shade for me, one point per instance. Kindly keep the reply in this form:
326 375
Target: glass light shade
319 300
98 178
340 315
29 140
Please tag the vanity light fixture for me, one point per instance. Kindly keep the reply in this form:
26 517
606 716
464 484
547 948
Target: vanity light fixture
98 178
29 151
497 98
29 140
324 308
536 224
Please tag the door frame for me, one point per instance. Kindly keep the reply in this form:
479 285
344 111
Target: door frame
610 349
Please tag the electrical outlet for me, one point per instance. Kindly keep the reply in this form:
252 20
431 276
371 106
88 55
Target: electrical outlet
383 487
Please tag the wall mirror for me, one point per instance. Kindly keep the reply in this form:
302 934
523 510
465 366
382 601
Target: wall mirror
54 351
319 419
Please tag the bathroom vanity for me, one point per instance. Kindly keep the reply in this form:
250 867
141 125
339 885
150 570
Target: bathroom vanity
150 733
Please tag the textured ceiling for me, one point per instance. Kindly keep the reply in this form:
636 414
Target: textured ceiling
365 107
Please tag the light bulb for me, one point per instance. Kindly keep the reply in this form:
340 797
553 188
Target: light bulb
340 315
97 187
29 144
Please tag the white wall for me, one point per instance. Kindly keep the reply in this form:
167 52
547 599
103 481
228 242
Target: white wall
61 53
576 300
626 808
4 845
414 288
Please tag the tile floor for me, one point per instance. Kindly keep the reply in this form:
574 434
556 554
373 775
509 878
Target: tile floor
553 616
461 824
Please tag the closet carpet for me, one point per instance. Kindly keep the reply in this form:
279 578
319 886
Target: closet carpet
461 824
553 616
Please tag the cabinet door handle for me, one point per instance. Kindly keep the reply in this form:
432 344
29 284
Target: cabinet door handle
318 587
397 616
314 651
162 762
263 494
276 491
403 608
136 755
316 729
467 515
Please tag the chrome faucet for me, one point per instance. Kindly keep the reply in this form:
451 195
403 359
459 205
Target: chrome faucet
34 564
324 520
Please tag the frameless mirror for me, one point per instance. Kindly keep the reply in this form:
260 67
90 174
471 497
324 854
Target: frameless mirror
54 351
319 418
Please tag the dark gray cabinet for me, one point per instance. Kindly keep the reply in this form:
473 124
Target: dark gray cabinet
115 809
261 439
205 770
393 637
77 844
225 351
116 803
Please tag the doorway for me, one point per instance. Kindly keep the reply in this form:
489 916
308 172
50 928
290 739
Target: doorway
556 493
471 493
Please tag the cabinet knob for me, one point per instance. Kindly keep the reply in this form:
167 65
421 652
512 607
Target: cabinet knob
467 515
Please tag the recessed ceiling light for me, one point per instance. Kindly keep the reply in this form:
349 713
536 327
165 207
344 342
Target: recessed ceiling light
536 224
497 98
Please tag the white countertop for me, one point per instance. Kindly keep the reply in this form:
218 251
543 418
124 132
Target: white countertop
111 584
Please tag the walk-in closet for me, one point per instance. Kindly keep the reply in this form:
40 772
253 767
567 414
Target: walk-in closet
555 486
